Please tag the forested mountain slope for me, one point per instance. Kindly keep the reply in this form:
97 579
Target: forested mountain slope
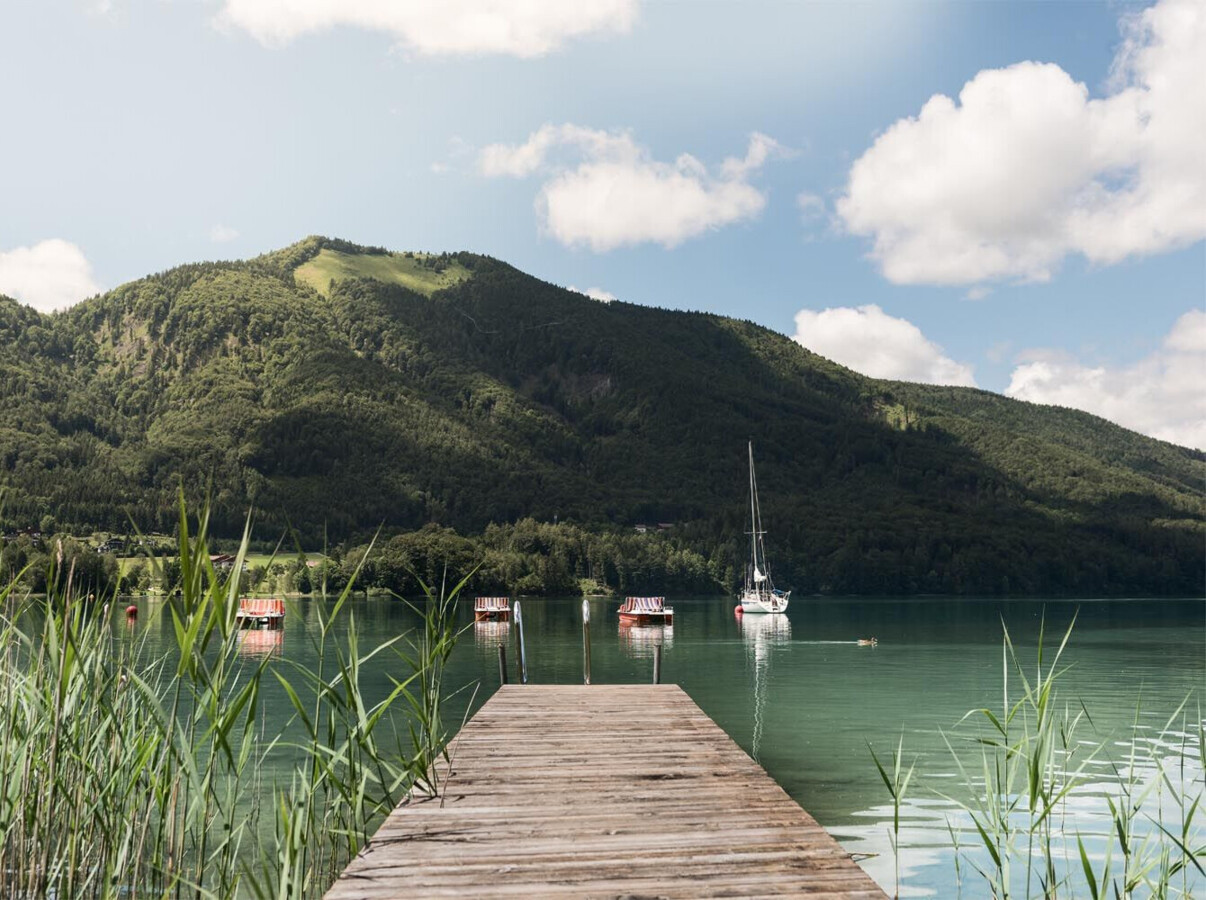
338 387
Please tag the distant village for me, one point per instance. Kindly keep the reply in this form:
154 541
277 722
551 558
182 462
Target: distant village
144 564
157 545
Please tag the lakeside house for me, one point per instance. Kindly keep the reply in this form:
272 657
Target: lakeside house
34 537
224 562
642 528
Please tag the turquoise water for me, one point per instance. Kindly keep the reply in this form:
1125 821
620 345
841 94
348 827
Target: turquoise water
800 695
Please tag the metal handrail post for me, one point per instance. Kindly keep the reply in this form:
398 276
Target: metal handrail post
523 655
586 641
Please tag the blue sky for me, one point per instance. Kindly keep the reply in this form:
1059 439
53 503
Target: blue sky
1041 235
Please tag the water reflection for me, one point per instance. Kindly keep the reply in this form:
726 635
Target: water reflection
638 641
490 634
259 643
761 633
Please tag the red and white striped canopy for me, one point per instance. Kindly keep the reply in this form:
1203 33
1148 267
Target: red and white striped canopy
491 603
643 604
262 606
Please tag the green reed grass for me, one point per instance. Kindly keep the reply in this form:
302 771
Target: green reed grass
125 774
1031 759
897 783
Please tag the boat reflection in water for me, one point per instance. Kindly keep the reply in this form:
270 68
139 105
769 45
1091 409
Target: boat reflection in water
258 643
638 641
489 634
761 634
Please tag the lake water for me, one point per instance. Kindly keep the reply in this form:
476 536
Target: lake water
801 696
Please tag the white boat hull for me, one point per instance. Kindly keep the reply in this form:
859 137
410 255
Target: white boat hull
760 602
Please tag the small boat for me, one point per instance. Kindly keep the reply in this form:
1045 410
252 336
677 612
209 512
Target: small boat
646 611
486 609
260 613
868 642
759 594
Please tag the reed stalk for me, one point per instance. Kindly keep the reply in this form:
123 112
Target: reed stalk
897 783
126 774
1032 759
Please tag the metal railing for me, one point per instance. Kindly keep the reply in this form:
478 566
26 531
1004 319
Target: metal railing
523 656
522 662
586 642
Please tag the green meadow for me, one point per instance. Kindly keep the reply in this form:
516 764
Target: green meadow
410 270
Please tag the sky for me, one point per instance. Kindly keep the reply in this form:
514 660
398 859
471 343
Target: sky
1004 195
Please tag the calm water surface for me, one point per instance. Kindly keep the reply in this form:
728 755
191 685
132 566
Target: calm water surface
801 696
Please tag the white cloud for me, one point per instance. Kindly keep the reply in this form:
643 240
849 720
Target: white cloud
50 275
811 207
1188 334
595 293
528 28
1161 396
521 160
760 150
605 191
1025 168
222 234
870 341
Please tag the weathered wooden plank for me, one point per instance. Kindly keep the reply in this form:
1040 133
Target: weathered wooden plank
601 791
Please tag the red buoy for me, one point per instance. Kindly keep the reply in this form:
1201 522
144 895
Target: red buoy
738 611
132 611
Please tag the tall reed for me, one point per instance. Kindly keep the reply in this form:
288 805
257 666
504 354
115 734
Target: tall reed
897 783
126 774
1034 753
1033 758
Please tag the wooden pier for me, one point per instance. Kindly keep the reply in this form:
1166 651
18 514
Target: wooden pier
601 791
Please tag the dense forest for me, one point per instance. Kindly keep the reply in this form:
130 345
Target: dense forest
336 391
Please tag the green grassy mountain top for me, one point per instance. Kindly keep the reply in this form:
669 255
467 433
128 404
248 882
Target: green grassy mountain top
422 273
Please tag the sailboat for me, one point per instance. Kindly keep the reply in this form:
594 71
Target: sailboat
759 594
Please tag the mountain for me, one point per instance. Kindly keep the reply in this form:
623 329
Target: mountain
335 387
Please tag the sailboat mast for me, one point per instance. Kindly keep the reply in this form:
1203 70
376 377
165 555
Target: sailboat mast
753 515
758 529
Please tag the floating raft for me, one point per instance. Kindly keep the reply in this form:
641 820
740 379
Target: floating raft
601 791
